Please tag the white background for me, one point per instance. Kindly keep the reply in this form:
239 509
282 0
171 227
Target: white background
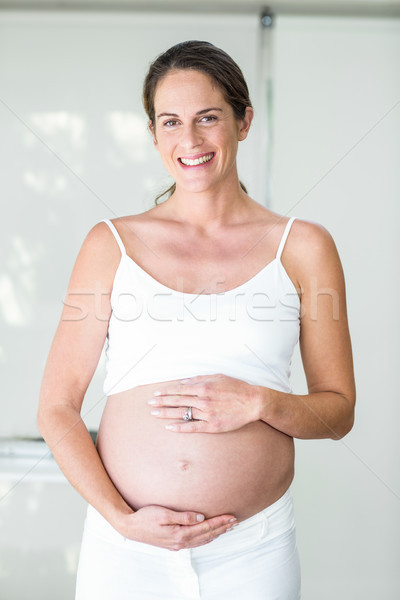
74 150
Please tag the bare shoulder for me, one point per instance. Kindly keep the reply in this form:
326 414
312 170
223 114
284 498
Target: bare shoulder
310 250
98 256
151 215
310 237
98 233
100 242
137 224
310 241
101 235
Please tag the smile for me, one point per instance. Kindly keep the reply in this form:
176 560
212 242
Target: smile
194 162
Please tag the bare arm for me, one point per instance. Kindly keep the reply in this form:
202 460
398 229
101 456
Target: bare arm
328 409
70 366
73 358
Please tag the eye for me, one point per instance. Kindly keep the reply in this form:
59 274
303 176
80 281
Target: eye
208 118
170 123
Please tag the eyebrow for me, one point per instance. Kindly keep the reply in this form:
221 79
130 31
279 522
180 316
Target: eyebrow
200 112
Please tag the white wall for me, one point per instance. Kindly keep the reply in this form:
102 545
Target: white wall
336 157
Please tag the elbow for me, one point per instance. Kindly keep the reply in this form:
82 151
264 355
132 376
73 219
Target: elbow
53 418
343 430
44 418
347 421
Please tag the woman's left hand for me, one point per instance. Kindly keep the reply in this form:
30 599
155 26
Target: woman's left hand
219 403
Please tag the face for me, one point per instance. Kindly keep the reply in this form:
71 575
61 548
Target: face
195 131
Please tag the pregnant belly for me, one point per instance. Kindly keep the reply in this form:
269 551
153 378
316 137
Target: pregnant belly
239 472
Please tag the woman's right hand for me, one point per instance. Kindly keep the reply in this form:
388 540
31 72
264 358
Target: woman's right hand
172 529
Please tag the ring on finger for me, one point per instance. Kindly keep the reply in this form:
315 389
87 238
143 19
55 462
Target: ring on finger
187 416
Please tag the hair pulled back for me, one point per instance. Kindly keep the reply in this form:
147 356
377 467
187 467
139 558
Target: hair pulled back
204 57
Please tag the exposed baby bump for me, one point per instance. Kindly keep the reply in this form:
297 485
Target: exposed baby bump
190 471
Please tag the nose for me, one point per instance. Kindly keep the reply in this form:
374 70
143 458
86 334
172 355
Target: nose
190 137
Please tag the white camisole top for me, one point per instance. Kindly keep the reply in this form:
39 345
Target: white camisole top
157 333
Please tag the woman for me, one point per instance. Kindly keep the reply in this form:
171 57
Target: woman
203 298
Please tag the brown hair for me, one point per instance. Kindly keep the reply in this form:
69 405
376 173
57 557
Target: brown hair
204 57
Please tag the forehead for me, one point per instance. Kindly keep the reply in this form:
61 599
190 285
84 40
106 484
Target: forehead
186 88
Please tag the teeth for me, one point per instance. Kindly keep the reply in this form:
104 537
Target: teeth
197 161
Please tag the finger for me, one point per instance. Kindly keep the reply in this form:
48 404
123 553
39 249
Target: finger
181 389
174 401
212 525
183 518
172 390
175 413
200 405
202 541
168 413
200 426
225 528
219 522
183 386
206 532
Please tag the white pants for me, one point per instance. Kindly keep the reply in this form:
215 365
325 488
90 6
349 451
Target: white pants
257 560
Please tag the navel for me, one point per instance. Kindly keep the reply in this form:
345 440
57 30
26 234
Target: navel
183 465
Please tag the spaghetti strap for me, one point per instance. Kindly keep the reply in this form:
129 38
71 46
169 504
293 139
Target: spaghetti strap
116 235
284 237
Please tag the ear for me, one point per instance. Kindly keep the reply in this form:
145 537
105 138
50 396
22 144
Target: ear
244 125
153 132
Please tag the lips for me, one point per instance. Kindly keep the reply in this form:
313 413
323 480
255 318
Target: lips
196 161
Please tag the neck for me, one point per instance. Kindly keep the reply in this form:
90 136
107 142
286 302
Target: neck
210 209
